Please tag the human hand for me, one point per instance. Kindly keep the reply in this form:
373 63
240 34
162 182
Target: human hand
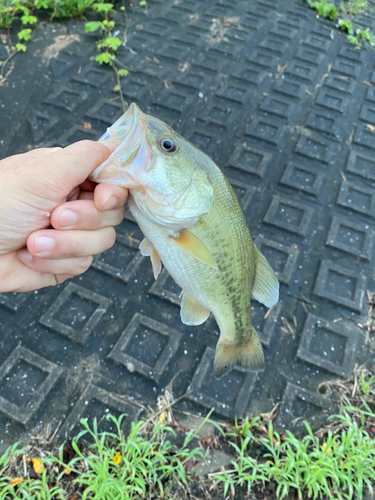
48 187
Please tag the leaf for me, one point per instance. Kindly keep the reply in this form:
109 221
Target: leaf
117 458
87 125
67 470
29 19
116 88
103 7
371 127
16 480
38 466
93 26
122 72
113 42
108 24
345 25
106 57
189 464
207 442
162 416
24 34
21 47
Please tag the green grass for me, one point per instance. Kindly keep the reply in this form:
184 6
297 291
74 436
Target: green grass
114 467
145 464
338 467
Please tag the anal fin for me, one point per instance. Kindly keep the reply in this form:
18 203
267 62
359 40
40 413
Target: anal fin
266 285
146 248
192 313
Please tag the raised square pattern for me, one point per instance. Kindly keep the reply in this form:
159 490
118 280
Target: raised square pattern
351 237
130 349
289 215
329 345
25 381
341 285
206 390
76 312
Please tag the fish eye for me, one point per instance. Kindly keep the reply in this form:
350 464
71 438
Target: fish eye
168 145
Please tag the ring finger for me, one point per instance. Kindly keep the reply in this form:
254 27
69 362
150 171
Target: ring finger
67 267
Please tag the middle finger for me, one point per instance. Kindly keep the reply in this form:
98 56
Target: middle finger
83 214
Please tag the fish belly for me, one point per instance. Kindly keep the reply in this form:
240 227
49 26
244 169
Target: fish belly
224 291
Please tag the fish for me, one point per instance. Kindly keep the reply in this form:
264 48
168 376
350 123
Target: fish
194 225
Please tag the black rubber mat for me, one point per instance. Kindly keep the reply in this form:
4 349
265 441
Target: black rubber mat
282 102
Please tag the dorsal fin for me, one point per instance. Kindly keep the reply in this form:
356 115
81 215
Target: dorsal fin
266 285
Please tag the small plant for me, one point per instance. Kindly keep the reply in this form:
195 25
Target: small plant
63 9
348 8
325 9
23 36
366 384
108 44
353 7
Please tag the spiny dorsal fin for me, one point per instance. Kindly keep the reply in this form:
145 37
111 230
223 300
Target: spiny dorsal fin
146 248
192 313
193 246
266 285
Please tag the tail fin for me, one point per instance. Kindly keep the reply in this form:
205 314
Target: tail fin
247 354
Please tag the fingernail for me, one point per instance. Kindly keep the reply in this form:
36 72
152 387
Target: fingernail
43 245
25 256
67 219
110 203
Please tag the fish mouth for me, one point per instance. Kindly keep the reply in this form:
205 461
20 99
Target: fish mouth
128 133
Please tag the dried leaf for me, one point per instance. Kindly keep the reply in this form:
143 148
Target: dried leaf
371 127
16 480
207 442
87 125
38 466
117 458
162 416
67 470
189 464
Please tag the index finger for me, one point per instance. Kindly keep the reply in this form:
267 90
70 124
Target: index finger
72 165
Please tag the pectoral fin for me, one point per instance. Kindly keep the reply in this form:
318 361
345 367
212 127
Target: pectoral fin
146 248
266 285
193 246
192 313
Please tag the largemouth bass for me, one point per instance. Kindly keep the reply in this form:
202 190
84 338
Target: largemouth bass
193 224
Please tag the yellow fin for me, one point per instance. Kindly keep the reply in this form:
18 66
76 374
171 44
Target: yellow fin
193 246
266 285
247 354
146 248
192 313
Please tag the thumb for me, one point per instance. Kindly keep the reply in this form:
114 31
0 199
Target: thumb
67 168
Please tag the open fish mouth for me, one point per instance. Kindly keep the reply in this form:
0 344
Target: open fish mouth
128 132
123 127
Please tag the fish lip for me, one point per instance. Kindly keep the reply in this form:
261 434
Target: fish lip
137 128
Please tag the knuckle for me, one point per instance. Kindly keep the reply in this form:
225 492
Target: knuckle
83 262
